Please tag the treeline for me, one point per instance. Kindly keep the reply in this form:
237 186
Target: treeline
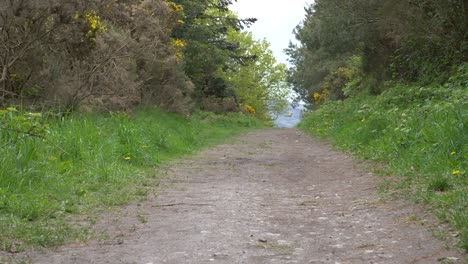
114 55
355 46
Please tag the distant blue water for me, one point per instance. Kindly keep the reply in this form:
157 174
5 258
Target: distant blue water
290 118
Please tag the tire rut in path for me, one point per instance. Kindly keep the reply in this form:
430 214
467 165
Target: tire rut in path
273 196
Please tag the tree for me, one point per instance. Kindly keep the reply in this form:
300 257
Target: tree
404 39
260 81
207 48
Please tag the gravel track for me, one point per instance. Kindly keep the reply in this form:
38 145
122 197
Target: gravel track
272 196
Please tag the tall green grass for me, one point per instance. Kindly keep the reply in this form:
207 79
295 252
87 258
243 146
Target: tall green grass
52 167
419 132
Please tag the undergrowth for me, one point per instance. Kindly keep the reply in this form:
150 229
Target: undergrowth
420 132
54 167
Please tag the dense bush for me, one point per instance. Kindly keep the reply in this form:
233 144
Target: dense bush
95 53
419 131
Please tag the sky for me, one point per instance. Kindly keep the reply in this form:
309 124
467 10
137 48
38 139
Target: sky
276 21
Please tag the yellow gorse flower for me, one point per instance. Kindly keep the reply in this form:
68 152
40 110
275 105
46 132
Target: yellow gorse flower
95 24
317 97
179 47
179 43
174 7
250 109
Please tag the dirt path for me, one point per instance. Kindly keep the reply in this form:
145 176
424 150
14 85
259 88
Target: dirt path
274 196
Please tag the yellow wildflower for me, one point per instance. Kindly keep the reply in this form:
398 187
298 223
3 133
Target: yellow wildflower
174 7
455 172
250 109
127 158
453 153
317 97
179 43
95 24
179 47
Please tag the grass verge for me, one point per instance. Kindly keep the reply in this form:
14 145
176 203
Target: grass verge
53 168
420 133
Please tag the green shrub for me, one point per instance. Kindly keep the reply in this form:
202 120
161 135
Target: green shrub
420 132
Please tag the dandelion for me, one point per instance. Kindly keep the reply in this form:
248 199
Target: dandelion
127 158
455 172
